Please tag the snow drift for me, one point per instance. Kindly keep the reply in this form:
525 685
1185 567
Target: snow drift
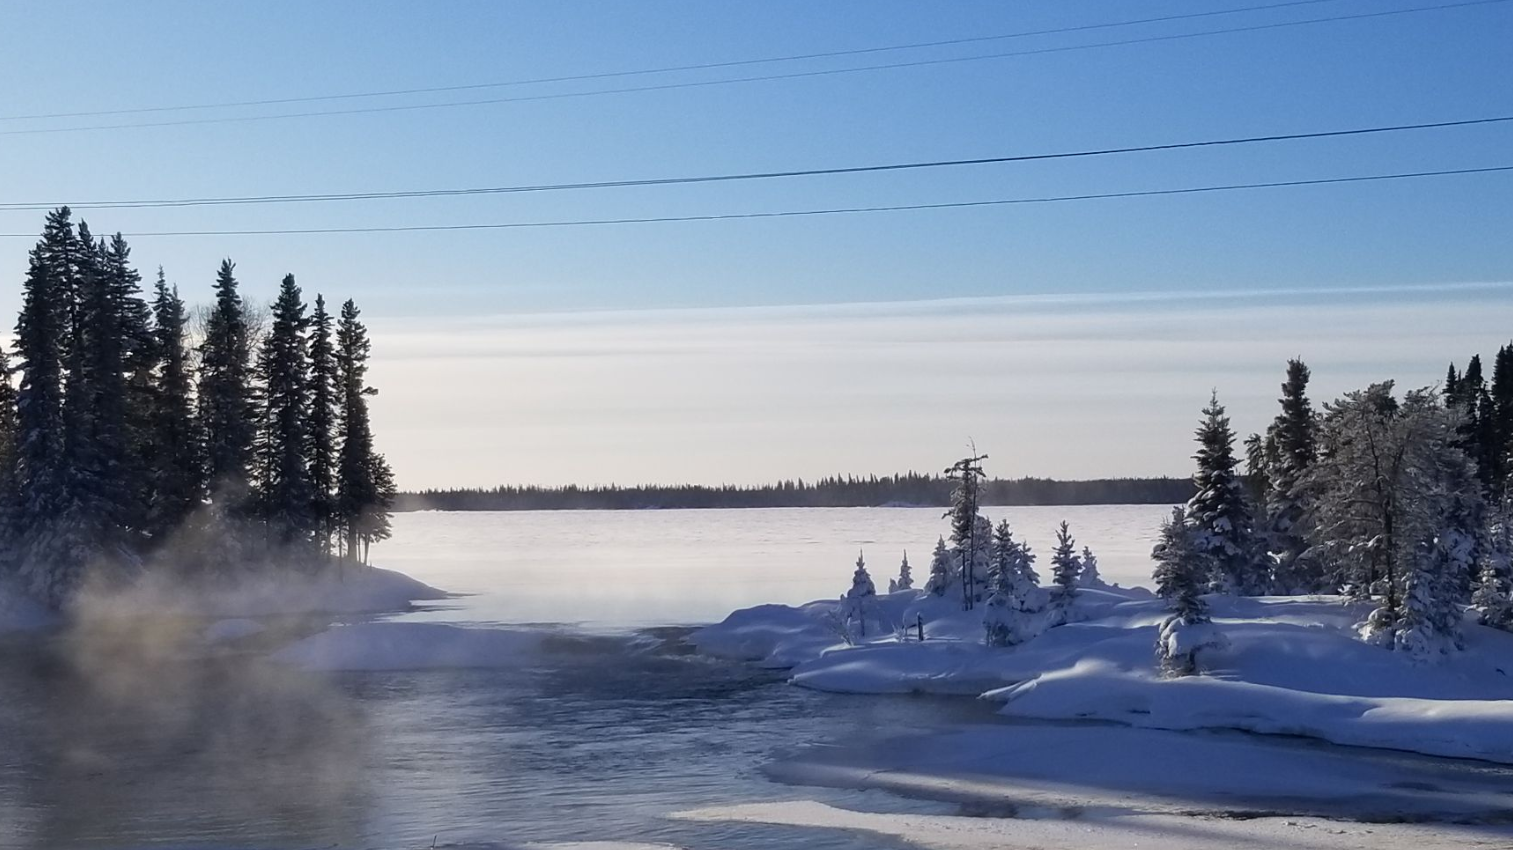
1286 666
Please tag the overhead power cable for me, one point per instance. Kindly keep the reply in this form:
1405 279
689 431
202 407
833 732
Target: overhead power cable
756 175
668 69
1146 193
749 79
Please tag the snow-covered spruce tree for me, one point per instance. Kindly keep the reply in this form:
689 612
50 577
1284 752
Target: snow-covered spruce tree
225 402
965 499
1492 597
284 496
1066 570
321 428
1396 507
42 333
1090 577
1293 437
856 605
1219 513
905 580
364 483
941 570
1181 573
175 471
1015 596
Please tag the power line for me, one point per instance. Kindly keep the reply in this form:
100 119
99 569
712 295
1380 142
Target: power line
704 66
750 79
1147 193
759 175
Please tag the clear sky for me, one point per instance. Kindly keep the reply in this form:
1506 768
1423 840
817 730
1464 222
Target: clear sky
1074 339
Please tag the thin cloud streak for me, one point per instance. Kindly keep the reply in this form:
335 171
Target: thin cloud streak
748 394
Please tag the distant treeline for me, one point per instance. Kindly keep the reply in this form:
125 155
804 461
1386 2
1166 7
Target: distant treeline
838 492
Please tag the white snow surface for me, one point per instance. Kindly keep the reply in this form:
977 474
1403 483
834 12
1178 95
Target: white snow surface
355 590
1288 666
1167 832
411 646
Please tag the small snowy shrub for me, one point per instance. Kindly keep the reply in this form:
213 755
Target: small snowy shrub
1178 643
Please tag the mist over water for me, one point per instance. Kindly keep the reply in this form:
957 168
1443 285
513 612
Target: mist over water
137 731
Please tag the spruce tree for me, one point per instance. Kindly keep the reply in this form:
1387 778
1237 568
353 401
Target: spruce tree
321 429
284 496
225 407
965 499
941 574
9 447
364 483
905 580
1181 568
1219 512
41 470
1066 569
1499 425
120 358
1089 577
858 601
176 473
1294 437
1014 590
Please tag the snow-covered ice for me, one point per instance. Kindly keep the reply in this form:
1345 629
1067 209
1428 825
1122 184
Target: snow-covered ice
408 646
1289 666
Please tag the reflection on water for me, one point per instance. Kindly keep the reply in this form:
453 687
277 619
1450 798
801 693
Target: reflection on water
597 742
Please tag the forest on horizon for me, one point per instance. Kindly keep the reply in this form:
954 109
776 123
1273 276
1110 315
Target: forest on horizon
907 489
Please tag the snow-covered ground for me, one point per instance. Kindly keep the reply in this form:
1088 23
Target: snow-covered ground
231 607
1167 832
1292 666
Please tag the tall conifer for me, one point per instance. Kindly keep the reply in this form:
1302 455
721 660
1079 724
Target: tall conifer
225 394
284 494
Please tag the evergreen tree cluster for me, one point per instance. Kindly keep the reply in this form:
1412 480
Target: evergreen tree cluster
1403 502
128 444
841 491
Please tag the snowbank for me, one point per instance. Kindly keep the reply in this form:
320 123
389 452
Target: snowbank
1169 832
411 646
1288 666
355 590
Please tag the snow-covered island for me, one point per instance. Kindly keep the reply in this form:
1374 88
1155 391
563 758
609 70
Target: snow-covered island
1352 588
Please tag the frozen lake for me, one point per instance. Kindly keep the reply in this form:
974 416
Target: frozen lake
630 568
600 736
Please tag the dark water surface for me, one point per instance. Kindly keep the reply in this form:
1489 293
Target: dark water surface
597 739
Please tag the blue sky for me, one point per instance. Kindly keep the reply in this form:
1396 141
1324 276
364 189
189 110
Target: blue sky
1431 66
